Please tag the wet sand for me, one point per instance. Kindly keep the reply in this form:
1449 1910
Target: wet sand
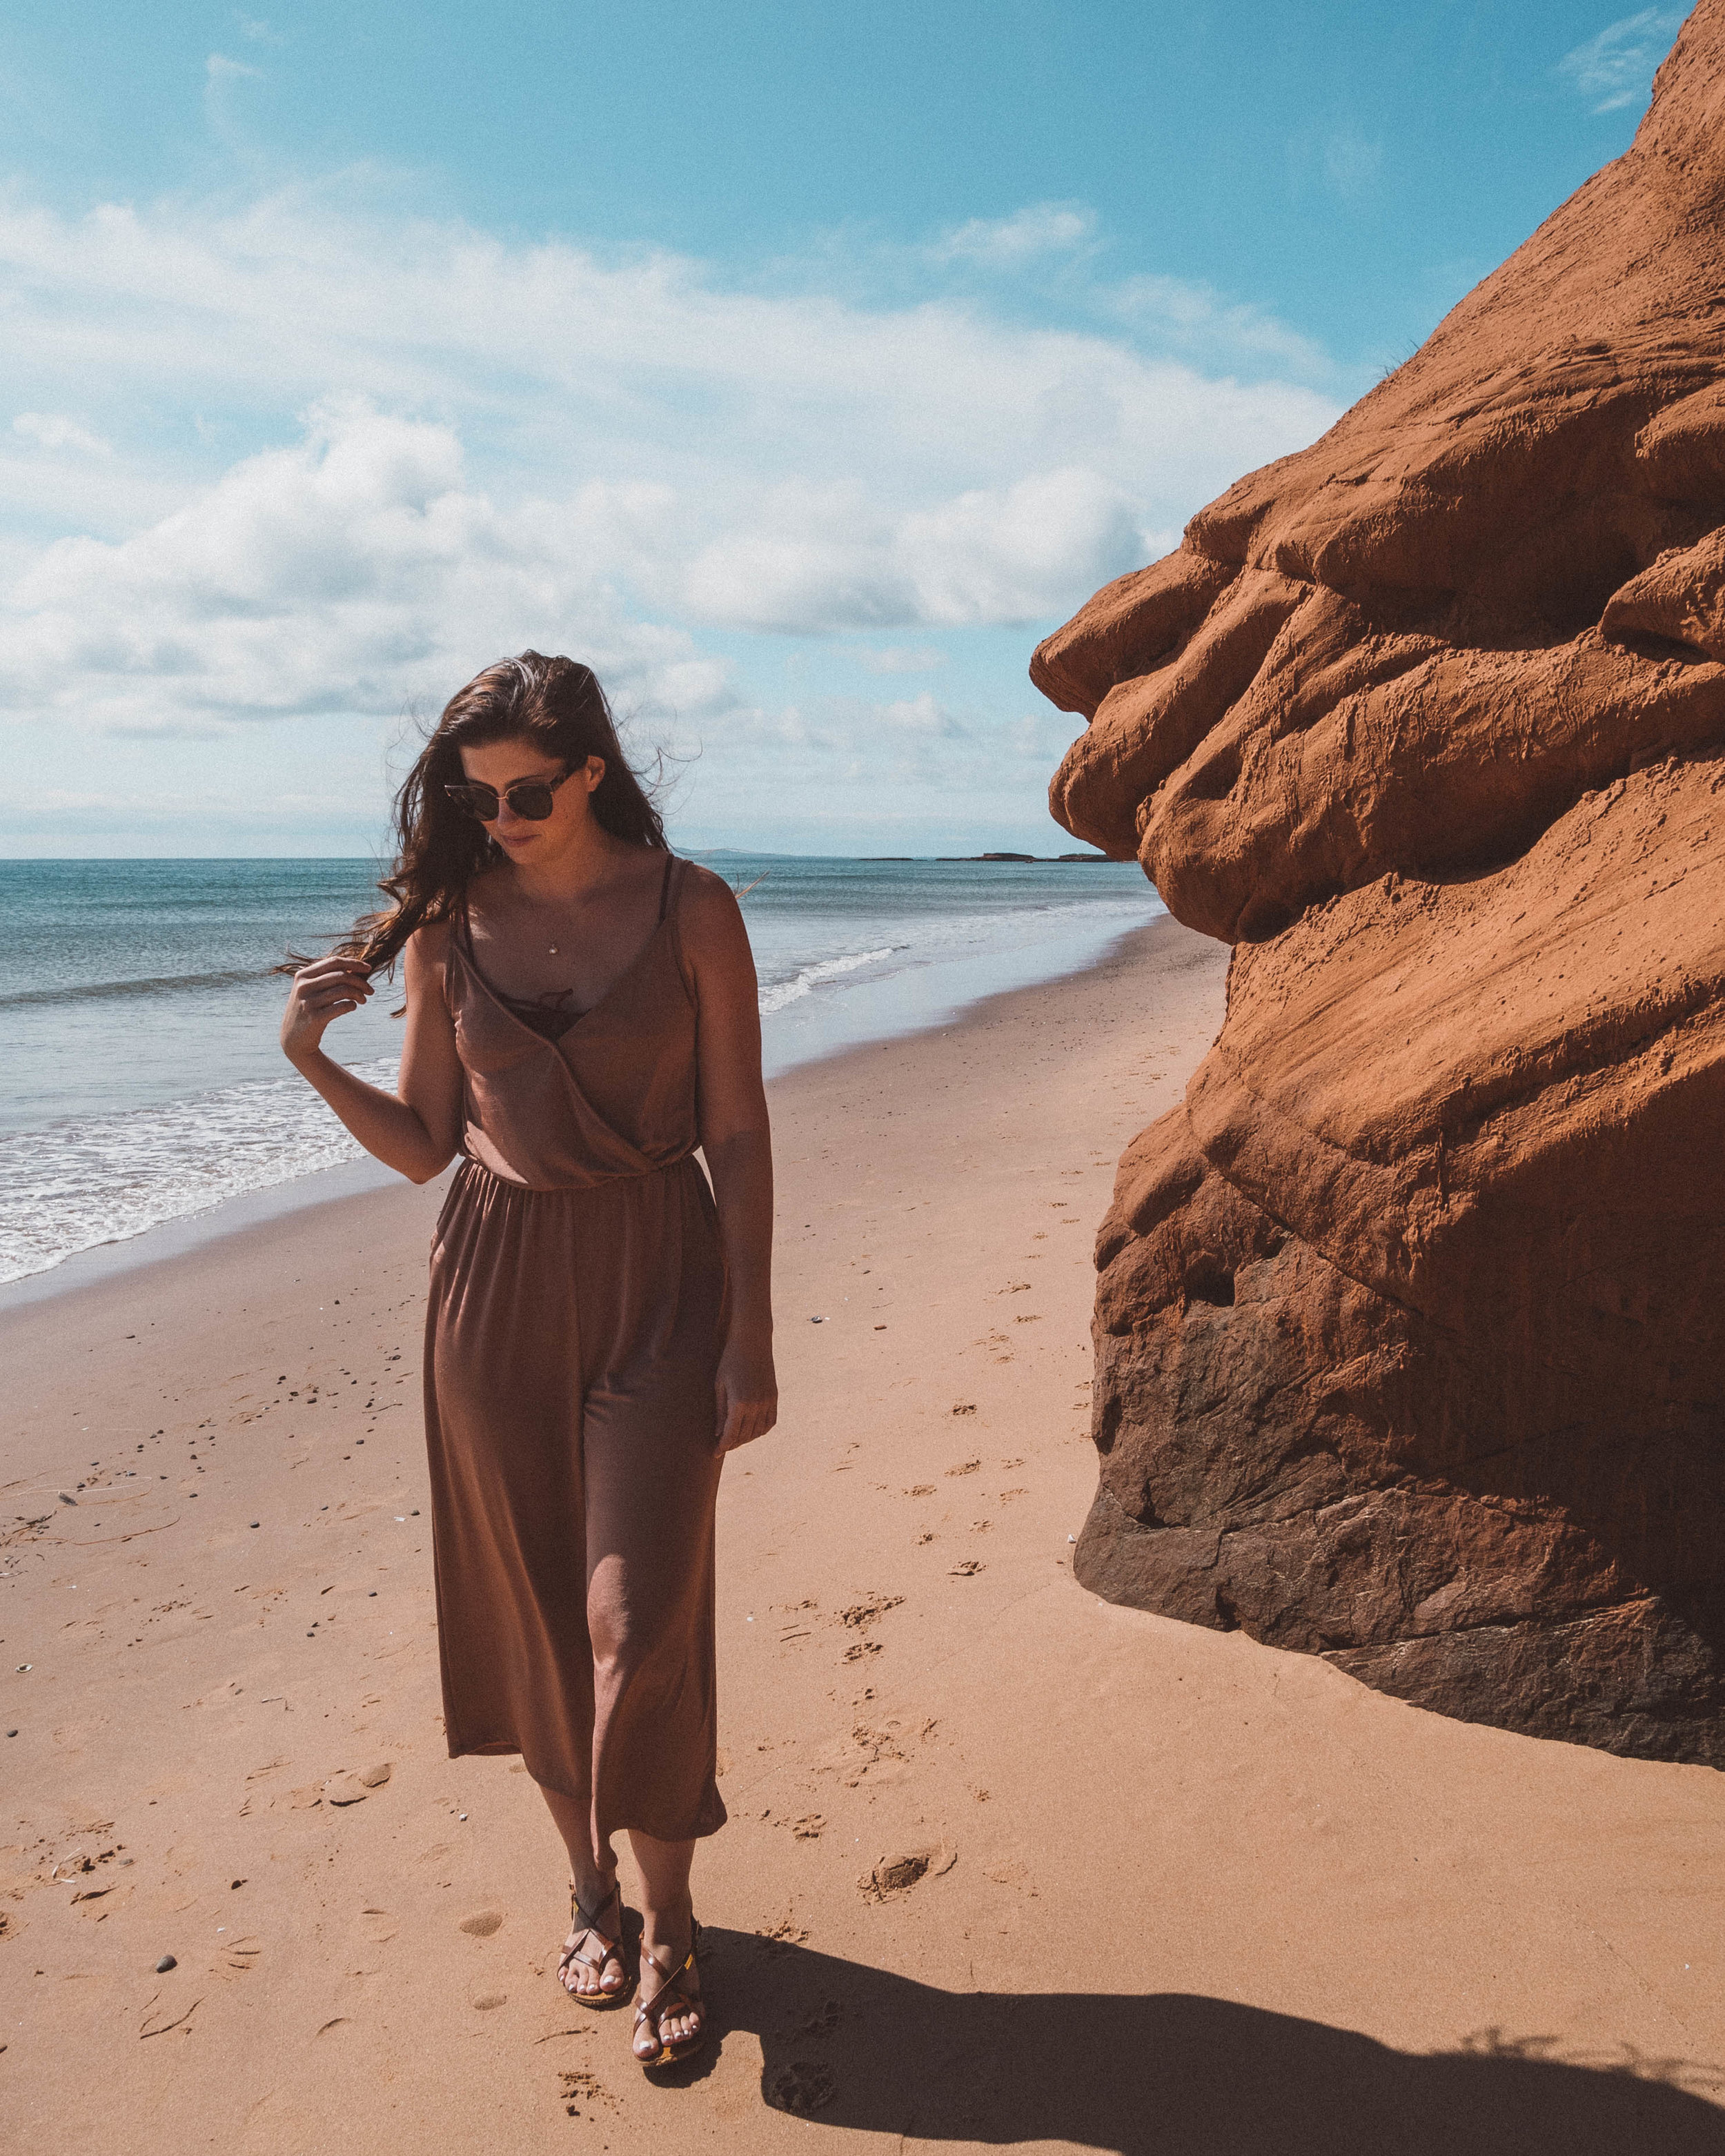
1005 1865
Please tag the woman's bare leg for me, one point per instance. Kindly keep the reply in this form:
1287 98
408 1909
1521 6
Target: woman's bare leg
594 1873
669 1926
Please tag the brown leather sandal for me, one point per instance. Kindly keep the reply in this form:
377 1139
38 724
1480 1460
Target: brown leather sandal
672 1996
610 1950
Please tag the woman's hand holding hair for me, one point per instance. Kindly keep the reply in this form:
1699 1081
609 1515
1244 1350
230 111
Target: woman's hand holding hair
322 991
417 1129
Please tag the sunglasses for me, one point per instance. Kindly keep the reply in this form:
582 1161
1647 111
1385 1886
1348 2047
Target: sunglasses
528 797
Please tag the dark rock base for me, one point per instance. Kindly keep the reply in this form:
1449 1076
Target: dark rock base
1286 1453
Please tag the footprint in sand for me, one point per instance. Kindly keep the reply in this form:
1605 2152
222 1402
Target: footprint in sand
240 1958
482 1923
823 2022
897 1875
786 1933
798 2088
340 1789
580 2088
347 1789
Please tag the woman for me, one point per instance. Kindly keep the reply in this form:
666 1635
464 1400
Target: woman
581 1015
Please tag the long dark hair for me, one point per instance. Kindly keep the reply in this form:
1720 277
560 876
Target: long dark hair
558 706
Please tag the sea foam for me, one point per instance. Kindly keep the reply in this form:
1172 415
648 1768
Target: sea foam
140 1078
75 1185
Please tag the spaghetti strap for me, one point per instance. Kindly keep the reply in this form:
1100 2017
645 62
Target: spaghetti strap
671 862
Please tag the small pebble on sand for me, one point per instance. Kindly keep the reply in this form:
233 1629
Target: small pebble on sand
165 1964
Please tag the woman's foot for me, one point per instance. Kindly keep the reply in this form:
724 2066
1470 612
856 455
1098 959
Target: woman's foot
670 2020
593 1969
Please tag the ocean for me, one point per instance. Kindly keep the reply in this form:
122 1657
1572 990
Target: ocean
140 1077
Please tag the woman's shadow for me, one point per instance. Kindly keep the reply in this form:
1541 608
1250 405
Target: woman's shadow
1170 2074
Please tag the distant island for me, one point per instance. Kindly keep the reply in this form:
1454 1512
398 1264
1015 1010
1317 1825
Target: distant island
1044 859
740 853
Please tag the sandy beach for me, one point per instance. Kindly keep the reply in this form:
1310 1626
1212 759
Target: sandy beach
1005 1864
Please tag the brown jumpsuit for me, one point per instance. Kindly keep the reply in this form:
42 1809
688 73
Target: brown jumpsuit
571 1345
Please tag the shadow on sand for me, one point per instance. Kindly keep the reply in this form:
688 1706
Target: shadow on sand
1171 2075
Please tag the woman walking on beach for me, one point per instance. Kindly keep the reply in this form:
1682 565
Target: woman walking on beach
581 1015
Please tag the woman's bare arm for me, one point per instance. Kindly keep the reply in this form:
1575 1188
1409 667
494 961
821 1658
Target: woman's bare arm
736 1139
417 1129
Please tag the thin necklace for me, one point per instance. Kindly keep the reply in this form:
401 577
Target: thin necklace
552 948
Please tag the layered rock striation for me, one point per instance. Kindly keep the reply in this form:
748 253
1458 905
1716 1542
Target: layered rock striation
1410 1328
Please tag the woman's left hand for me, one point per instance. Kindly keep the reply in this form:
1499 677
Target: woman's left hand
746 1395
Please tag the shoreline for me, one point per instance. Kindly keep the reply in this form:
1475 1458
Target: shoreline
981 1825
917 1015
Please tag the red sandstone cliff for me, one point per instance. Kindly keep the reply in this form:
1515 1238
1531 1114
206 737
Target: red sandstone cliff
1411 1329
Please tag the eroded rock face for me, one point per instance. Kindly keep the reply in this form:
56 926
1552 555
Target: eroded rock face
1411 1321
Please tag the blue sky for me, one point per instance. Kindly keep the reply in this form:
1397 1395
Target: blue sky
801 366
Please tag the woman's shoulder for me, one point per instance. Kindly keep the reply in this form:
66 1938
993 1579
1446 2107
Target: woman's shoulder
701 886
427 948
487 895
706 903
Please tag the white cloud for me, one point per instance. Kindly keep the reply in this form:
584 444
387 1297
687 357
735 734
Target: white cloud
1616 67
912 772
1043 228
224 81
633 367
1351 162
219 70
357 454
900 658
809 562
53 430
358 571
922 715
1199 320
1010 554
